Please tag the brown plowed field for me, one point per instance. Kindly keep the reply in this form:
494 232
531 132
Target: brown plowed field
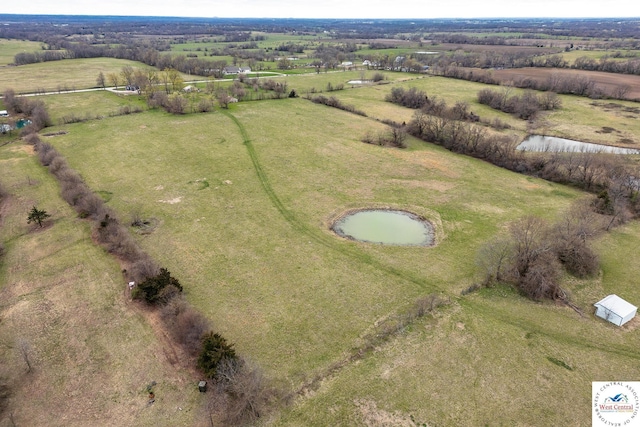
607 81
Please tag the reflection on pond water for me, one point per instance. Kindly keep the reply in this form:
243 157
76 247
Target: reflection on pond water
391 227
541 143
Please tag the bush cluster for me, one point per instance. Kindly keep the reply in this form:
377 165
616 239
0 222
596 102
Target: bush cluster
532 255
186 326
108 231
35 109
336 103
411 98
609 175
525 106
394 137
248 394
159 289
215 350
417 99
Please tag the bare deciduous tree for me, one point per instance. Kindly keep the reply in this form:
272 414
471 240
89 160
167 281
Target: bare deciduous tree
494 258
114 79
101 81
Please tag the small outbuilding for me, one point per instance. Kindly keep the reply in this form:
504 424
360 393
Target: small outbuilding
615 309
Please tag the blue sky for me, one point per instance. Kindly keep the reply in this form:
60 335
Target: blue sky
334 8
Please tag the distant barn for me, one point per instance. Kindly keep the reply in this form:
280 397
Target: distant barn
615 309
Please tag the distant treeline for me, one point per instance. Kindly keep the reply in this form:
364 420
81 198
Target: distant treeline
146 55
562 84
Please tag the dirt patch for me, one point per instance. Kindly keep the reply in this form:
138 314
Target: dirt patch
372 416
606 81
631 325
24 148
172 201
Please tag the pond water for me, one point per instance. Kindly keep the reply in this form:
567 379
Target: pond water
541 143
390 227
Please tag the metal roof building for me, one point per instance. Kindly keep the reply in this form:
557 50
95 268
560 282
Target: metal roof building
615 309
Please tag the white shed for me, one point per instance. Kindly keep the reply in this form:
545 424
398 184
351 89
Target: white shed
615 309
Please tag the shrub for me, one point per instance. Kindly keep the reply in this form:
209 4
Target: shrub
32 139
141 267
37 215
579 260
412 98
336 103
185 325
541 280
158 289
204 106
46 153
525 106
215 350
250 393
57 164
378 77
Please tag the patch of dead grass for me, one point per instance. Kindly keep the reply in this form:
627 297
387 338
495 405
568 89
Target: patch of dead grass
372 416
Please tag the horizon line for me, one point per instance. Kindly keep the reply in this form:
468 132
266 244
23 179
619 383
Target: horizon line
488 18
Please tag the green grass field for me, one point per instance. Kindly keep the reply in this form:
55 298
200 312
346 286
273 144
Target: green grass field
92 352
10 48
68 74
243 200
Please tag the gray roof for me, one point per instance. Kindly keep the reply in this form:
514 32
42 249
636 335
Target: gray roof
616 305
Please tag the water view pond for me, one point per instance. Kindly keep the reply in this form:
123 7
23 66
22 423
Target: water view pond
552 144
390 227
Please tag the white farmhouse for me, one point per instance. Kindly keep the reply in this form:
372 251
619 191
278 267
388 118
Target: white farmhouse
615 309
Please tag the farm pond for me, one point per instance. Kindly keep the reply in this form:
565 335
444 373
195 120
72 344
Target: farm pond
389 227
541 143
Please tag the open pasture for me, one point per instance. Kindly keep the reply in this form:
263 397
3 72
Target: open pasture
242 201
91 350
270 252
243 213
90 105
9 48
68 74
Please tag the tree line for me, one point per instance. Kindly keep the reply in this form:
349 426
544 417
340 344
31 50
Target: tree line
531 258
241 392
524 106
532 254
